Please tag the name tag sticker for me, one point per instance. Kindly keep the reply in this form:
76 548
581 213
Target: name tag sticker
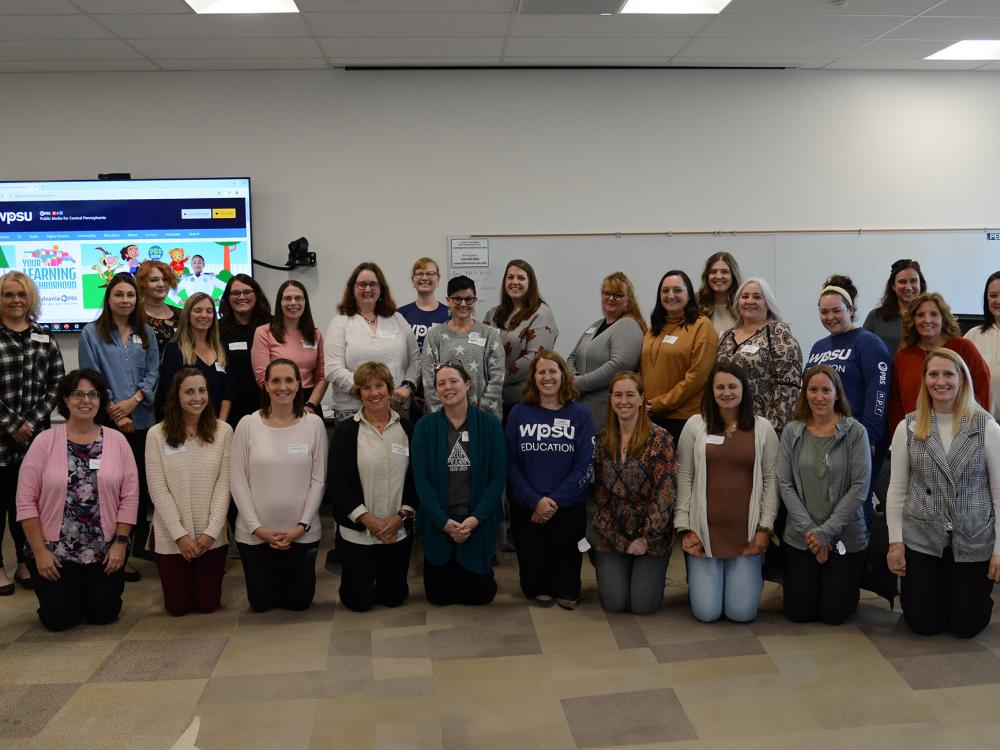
95 463
41 338
583 545
590 330
171 450
669 339
136 339
560 422
307 345
475 338
400 450
297 449
400 534
715 439
464 437
749 348
219 367
841 548
237 346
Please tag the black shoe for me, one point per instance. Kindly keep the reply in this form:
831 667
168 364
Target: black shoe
132 576
7 590
26 581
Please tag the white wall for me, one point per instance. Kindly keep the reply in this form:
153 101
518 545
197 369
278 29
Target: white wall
384 165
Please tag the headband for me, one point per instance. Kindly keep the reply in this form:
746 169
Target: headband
838 290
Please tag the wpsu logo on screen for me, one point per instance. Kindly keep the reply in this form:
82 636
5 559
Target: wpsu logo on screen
10 217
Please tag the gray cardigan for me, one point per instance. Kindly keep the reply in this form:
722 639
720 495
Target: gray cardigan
596 359
850 467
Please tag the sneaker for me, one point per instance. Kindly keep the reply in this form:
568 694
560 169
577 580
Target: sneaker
568 603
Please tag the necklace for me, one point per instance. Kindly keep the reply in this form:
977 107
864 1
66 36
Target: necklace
731 428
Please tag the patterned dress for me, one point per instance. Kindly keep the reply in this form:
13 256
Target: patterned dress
635 498
772 359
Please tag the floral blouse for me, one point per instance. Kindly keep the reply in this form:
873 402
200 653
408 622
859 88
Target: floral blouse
772 359
635 498
81 538
520 345
164 328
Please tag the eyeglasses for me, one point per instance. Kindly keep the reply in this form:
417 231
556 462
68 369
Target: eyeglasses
464 300
608 294
424 274
450 363
241 293
366 284
81 395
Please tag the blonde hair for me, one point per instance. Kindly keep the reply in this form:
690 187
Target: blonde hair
610 439
185 335
619 282
34 305
965 404
425 261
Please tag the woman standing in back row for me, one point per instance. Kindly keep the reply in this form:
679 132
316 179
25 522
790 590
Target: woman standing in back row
717 294
905 282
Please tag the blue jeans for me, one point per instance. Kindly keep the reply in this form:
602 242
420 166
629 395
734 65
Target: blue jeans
631 583
728 587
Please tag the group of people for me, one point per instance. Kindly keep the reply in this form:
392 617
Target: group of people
700 424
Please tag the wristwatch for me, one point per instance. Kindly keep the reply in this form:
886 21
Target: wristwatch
138 397
122 539
403 516
305 526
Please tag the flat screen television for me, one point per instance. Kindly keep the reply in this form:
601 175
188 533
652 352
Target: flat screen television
71 237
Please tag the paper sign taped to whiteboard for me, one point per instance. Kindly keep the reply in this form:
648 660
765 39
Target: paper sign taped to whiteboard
469 252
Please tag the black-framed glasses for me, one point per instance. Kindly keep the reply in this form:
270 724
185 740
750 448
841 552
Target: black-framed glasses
242 293
81 395
366 284
469 301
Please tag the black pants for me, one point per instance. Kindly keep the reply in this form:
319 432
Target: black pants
279 578
8 509
940 594
83 593
453 584
827 593
547 555
140 534
374 573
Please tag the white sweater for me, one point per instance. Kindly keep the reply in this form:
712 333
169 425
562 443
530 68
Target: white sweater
189 487
278 475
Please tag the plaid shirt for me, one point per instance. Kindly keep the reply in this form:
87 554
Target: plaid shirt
30 368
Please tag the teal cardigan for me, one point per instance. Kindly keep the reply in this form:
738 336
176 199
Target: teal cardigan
429 461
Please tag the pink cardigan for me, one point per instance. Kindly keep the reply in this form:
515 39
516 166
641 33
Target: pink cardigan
41 491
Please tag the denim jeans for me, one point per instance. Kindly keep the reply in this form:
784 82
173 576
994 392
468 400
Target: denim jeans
729 587
631 583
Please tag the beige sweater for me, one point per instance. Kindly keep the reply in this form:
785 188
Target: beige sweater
189 487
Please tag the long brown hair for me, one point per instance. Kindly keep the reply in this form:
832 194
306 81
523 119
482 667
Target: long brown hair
840 404
710 412
174 431
611 437
567 387
306 325
185 335
532 300
619 282
949 326
888 308
385 305
105 322
298 405
706 297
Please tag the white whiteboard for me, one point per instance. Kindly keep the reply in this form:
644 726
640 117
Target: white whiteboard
955 263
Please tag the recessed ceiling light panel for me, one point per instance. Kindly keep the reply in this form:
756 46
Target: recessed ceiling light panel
243 6
969 49
675 6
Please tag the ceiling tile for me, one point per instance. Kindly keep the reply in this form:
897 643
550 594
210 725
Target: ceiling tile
414 62
215 49
826 8
274 63
35 7
134 6
104 49
789 25
980 8
598 26
76 66
582 61
408 24
569 7
860 63
770 48
51 27
988 66
898 49
949 29
206 27
761 62
413 47
557 47
414 6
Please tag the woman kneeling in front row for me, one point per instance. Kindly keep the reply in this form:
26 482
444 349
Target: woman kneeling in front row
727 498
375 496
942 504
459 466
823 471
